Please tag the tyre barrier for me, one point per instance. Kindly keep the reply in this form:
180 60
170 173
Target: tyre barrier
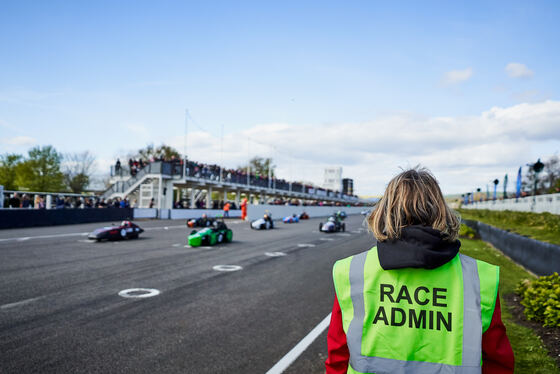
539 257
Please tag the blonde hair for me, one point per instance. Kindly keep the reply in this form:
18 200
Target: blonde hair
413 198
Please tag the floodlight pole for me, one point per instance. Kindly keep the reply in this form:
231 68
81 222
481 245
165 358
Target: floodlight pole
185 145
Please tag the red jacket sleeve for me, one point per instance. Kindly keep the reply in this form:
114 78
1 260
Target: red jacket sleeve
338 354
497 355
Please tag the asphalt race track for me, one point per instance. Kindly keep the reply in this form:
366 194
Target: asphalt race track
60 311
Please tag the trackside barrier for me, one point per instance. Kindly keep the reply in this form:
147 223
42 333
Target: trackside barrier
145 213
196 213
17 218
538 204
281 211
539 257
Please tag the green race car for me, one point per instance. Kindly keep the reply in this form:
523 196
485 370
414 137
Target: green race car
219 233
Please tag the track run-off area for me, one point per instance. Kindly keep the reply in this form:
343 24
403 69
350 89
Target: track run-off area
256 305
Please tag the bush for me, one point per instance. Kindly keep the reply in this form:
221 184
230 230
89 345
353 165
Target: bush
541 299
466 232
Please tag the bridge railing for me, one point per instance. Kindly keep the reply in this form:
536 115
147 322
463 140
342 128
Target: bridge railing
193 170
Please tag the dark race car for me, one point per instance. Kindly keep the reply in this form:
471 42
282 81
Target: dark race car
126 230
203 221
264 223
216 234
304 215
333 224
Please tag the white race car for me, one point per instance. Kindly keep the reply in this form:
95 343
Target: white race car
264 223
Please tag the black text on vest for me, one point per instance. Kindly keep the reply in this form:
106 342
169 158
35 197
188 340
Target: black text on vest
414 318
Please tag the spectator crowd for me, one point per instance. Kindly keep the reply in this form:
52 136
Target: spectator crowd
37 201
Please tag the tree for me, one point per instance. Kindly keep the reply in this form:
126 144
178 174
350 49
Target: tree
552 170
41 171
8 168
77 170
163 152
260 166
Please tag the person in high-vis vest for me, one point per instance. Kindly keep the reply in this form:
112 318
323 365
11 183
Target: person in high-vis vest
413 303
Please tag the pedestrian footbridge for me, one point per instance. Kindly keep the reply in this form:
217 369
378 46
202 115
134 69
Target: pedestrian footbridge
168 185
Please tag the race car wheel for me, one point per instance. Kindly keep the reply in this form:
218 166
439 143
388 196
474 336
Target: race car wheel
229 236
220 238
343 227
320 226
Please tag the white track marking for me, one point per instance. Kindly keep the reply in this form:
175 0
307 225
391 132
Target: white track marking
305 245
165 228
227 267
77 234
132 293
177 245
274 254
327 239
20 303
300 347
45 236
343 234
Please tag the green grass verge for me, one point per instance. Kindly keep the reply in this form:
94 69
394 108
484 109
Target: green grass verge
540 226
531 356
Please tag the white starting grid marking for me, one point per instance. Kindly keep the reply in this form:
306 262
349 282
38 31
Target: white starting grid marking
300 347
227 267
275 254
305 245
139 293
20 303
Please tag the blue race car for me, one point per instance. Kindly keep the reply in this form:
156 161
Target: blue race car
291 219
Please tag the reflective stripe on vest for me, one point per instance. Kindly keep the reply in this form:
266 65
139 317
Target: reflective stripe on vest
471 321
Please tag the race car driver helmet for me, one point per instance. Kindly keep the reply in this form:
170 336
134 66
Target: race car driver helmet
331 219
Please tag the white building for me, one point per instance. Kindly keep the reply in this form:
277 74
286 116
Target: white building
333 178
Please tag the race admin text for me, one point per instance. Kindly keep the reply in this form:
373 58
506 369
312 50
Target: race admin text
436 317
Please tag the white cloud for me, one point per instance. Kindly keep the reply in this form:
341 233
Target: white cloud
463 152
457 76
518 70
20 141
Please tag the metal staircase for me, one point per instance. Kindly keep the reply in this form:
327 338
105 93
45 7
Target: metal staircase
145 176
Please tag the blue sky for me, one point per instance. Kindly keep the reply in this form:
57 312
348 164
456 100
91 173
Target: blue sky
113 76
